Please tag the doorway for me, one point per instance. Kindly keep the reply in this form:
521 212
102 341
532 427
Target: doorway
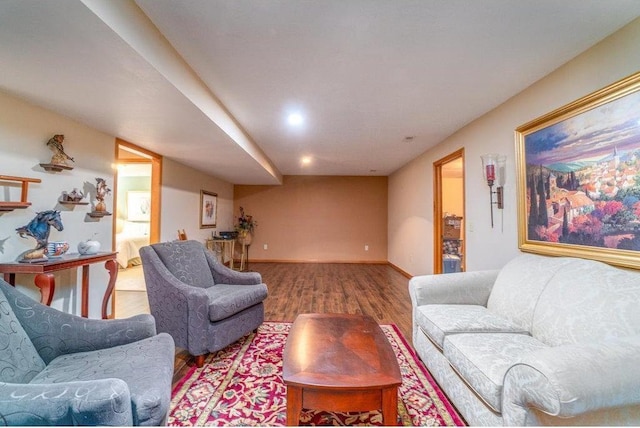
136 223
449 214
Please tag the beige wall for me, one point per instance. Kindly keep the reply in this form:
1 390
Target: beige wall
318 218
410 188
181 187
24 132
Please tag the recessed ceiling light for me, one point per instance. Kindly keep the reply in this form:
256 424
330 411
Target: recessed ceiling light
295 119
306 160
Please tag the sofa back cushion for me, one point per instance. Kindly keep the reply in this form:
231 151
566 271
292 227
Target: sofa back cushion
588 301
186 260
519 284
19 360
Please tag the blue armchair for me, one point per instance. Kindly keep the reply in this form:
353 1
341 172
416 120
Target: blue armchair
203 304
61 369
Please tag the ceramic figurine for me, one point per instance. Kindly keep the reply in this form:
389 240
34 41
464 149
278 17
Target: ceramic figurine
74 196
39 229
102 190
59 156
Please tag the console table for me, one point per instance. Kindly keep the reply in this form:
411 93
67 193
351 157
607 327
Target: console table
45 280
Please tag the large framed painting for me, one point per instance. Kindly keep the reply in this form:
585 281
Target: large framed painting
578 173
208 209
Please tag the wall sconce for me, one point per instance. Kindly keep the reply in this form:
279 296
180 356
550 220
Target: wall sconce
493 169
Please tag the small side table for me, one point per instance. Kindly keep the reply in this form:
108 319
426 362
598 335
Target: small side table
45 280
225 247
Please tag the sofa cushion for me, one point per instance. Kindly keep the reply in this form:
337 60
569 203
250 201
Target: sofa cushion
226 300
438 321
185 259
148 395
19 360
588 301
519 284
482 360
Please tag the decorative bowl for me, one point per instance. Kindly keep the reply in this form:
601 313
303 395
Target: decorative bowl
88 247
57 248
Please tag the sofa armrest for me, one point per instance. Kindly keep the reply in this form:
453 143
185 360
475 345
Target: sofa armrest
462 288
570 380
56 333
96 402
224 275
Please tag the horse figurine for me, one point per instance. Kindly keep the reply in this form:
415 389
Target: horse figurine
39 229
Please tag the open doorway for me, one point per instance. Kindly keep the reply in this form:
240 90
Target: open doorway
136 223
449 208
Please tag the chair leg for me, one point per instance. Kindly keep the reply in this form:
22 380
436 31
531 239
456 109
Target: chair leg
200 360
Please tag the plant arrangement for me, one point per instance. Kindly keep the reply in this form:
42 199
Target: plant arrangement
246 224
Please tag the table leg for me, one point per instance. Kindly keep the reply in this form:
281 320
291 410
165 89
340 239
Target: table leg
84 311
47 284
390 406
112 267
10 278
294 405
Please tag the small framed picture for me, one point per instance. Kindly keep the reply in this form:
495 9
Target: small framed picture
138 205
208 209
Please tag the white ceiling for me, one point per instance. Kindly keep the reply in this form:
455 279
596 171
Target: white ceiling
209 82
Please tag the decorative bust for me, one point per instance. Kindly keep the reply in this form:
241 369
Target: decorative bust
59 156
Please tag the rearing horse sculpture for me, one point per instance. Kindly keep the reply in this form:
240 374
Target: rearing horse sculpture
39 229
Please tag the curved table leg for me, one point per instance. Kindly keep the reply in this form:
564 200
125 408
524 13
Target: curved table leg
47 284
112 267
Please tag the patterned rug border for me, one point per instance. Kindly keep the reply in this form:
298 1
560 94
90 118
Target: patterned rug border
445 410
425 372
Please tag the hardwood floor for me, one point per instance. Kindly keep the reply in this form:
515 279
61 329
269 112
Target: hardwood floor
294 288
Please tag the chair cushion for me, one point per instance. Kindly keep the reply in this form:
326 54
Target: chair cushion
146 366
438 321
186 260
482 360
19 360
226 300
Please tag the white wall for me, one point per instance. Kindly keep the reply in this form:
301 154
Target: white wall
410 188
24 132
181 187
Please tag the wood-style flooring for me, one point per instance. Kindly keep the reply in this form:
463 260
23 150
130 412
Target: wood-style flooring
294 288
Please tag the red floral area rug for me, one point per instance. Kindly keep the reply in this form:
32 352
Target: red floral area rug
242 385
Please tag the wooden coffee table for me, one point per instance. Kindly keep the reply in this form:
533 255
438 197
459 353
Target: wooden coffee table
341 363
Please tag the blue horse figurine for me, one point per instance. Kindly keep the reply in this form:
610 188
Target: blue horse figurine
39 229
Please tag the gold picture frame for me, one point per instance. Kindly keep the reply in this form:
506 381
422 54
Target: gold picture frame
208 209
578 178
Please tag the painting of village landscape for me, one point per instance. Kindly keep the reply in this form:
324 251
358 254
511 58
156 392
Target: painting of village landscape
582 178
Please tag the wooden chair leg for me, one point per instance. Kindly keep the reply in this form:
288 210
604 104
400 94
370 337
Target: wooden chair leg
200 360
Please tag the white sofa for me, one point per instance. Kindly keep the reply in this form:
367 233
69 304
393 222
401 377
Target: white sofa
543 341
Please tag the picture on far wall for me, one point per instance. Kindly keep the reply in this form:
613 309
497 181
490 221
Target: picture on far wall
208 209
138 205
578 173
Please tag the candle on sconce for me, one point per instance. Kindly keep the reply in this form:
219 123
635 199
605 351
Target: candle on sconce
491 172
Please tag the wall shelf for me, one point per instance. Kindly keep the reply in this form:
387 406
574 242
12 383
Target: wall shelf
55 167
98 214
10 206
73 203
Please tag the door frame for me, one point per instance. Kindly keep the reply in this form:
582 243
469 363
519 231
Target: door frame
146 157
438 221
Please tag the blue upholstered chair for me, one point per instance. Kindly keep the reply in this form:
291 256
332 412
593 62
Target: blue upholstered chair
203 304
61 369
